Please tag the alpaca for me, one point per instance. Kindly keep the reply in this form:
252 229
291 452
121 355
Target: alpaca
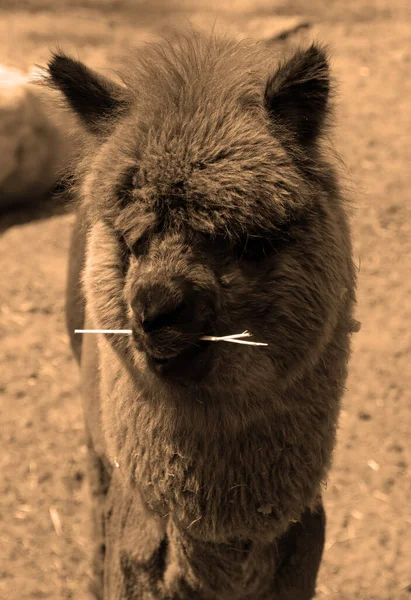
208 206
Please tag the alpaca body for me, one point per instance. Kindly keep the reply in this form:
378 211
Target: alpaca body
207 207
140 554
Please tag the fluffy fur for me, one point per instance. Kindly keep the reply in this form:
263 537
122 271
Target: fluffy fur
209 170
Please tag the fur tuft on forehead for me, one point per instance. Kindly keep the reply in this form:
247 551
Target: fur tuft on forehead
210 152
198 147
213 134
190 70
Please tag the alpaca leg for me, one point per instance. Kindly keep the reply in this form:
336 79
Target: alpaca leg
99 481
136 546
300 549
99 470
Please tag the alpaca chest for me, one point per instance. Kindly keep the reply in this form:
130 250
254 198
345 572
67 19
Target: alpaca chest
218 487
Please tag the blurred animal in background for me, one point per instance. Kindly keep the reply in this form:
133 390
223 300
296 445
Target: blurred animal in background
208 205
33 145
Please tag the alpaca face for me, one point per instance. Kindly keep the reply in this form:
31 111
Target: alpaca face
212 210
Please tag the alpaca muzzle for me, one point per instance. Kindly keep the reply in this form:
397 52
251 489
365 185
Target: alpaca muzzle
168 320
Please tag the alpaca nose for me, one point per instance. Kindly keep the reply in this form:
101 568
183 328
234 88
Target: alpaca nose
159 306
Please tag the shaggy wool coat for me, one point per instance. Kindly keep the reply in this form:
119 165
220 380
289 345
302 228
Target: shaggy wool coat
206 166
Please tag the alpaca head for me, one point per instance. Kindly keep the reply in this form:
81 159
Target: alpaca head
212 210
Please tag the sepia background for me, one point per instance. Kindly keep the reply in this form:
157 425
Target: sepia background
44 519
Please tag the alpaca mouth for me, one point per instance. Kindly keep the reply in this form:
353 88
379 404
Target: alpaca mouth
161 361
192 362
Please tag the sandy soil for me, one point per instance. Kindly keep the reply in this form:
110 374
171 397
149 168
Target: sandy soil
44 524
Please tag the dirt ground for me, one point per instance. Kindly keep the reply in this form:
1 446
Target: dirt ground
44 520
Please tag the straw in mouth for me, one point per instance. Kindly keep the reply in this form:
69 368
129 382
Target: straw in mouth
210 338
233 338
121 331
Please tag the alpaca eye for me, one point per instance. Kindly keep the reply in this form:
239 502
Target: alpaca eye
260 247
254 248
137 248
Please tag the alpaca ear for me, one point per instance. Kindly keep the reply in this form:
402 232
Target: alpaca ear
298 92
95 99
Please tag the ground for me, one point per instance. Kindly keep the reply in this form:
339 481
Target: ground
44 519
